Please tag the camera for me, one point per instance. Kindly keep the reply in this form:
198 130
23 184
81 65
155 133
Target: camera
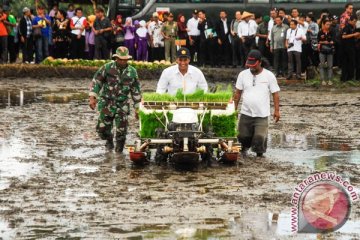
290 45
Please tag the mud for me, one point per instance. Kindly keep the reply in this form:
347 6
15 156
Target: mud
58 182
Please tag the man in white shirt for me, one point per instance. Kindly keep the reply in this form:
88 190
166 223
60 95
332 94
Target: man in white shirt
247 31
294 38
194 34
255 86
181 76
156 38
78 24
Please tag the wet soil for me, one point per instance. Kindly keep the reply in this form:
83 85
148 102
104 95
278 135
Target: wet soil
57 181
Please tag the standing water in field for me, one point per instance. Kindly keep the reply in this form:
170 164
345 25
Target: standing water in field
58 181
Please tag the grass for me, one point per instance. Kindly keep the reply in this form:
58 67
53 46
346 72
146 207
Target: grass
337 83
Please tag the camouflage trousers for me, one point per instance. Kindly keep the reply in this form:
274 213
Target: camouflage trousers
109 115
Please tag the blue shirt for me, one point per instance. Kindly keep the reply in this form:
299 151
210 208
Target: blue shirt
40 21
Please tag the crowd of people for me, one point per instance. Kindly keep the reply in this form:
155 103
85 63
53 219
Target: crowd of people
291 43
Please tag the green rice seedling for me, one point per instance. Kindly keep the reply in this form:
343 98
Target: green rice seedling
224 125
154 97
150 122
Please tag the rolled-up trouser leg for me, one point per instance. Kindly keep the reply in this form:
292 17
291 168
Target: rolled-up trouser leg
121 123
246 131
104 126
259 140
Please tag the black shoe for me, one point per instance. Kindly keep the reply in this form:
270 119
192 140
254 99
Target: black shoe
120 146
298 77
289 77
109 144
260 155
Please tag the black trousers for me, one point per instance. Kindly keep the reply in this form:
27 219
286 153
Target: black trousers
61 49
280 60
28 49
207 51
357 65
265 51
158 53
224 51
77 47
348 64
102 48
3 49
236 53
12 49
194 47
248 44
338 54
308 57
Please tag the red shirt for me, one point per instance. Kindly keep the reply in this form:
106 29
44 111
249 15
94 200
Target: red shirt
3 30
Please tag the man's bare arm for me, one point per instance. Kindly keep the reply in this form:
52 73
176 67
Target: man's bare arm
237 97
276 98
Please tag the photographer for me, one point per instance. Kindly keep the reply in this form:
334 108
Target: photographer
294 39
326 39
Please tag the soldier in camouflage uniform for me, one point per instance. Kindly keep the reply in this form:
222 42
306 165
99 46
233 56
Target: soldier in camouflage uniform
110 89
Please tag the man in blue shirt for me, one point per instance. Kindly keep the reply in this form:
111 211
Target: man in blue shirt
42 22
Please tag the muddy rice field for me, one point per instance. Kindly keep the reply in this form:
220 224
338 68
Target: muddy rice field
57 181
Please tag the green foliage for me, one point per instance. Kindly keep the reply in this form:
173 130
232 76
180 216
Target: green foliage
74 62
50 61
197 96
150 122
18 5
207 120
223 125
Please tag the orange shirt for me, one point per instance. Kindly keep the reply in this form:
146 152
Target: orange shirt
3 30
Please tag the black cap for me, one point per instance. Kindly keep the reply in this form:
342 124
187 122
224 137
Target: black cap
183 52
195 11
254 57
